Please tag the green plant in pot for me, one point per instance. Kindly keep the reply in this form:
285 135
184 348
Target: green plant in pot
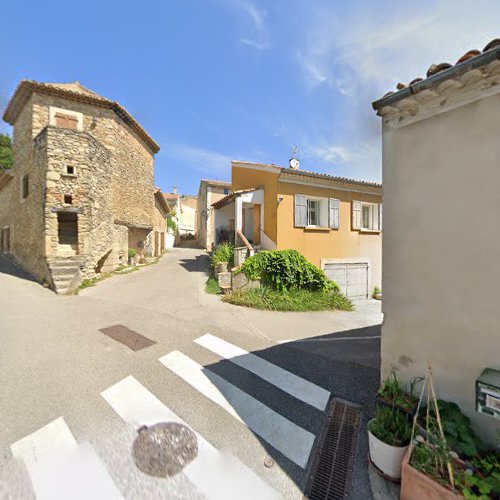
389 435
393 393
222 256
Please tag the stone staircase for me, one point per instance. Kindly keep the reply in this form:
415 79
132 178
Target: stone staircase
65 272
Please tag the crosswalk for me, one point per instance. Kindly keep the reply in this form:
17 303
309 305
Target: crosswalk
60 466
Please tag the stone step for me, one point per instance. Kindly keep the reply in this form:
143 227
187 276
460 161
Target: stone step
63 271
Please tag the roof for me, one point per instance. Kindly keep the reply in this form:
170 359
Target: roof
437 73
161 200
327 177
76 92
216 183
231 197
285 171
171 196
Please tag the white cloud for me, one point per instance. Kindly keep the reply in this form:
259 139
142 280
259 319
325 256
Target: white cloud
255 44
203 160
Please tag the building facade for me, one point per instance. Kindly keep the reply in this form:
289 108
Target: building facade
441 197
336 223
209 192
81 190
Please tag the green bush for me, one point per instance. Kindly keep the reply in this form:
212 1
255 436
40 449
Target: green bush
132 253
391 427
223 253
294 300
287 270
171 224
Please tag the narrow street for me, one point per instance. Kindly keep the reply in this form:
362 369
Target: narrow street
251 385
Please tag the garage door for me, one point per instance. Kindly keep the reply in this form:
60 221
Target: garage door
352 278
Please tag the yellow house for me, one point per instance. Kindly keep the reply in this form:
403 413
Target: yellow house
336 223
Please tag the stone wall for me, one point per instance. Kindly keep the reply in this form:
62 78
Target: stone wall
25 217
132 161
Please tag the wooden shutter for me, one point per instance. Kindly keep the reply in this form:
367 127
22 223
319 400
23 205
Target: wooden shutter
66 121
380 217
300 210
356 215
334 213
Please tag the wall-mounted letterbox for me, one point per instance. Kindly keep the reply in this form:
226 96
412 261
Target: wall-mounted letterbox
488 393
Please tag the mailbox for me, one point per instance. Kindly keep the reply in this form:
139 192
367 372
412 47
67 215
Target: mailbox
488 393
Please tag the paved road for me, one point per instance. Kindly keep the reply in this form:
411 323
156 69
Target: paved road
253 385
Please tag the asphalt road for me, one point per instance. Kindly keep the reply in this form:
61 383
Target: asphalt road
73 398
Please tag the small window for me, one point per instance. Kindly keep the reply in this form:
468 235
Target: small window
226 191
68 199
367 216
312 212
24 186
70 170
66 121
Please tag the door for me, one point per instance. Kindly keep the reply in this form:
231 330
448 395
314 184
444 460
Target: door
352 278
67 232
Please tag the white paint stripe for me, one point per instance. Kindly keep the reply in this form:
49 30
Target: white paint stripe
60 468
287 437
217 475
292 384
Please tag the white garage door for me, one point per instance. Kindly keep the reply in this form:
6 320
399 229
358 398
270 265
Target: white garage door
352 278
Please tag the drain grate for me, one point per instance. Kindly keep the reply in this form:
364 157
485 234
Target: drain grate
128 337
331 473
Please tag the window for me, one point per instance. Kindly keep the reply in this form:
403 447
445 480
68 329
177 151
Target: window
313 213
24 186
68 199
316 212
5 240
226 191
70 170
366 216
66 121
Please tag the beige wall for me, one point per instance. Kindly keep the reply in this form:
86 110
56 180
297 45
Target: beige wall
330 243
189 213
441 247
207 195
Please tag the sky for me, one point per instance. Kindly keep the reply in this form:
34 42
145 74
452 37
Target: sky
217 80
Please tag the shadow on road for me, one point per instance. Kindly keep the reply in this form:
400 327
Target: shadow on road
201 263
7 266
346 364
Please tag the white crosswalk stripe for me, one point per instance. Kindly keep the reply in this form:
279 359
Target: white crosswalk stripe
60 468
289 382
217 475
290 439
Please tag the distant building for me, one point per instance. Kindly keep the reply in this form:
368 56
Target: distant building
81 191
189 215
208 193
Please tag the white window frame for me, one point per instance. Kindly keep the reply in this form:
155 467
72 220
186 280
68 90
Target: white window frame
322 212
66 173
373 216
52 117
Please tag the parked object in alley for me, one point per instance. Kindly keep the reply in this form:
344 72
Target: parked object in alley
389 435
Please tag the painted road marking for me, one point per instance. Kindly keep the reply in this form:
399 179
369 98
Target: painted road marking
289 382
215 474
59 468
290 439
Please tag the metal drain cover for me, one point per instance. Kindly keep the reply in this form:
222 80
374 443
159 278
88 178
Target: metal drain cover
332 470
164 449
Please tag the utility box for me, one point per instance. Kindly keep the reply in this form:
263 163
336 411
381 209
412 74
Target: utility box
488 393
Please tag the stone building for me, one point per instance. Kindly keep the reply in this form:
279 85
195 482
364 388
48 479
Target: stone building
81 191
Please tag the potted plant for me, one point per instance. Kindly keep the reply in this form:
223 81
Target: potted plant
377 293
392 393
389 435
171 230
131 256
222 256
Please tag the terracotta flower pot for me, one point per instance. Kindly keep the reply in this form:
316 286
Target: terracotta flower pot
386 458
415 485
222 267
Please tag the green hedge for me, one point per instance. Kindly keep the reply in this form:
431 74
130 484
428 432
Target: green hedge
287 270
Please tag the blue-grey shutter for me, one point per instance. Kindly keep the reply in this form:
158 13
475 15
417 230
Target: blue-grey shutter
300 210
356 215
334 213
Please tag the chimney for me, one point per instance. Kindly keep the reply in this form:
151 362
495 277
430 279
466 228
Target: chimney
175 189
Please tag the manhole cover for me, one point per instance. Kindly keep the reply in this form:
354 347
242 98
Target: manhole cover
128 337
164 449
331 474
